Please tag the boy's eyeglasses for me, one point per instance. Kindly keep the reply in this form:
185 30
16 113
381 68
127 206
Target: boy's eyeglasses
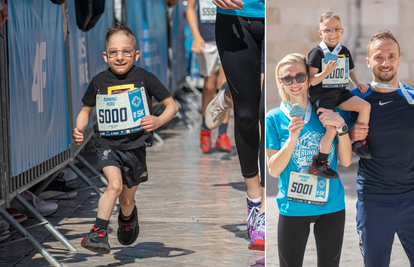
300 78
329 31
124 52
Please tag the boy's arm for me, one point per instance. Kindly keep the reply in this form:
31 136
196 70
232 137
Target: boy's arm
151 122
316 78
363 88
81 123
198 41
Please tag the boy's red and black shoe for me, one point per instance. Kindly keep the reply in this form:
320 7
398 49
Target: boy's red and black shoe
361 149
128 230
322 169
96 241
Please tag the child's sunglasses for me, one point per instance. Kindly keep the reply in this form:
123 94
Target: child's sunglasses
300 78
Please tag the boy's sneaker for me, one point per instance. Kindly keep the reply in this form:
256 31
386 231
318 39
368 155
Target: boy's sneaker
58 187
361 149
322 170
96 241
205 140
128 230
257 236
19 217
215 113
223 143
252 211
43 207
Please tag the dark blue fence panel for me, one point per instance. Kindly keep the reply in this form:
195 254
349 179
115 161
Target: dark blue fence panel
147 20
79 69
39 121
178 66
96 39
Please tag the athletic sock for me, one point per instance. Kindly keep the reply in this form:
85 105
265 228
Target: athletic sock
126 218
257 200
204 125
322 157
103 224
222 129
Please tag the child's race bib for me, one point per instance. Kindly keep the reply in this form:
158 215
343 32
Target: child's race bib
340 76
121 114
207 11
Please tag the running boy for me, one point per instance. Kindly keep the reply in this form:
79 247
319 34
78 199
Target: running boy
330 68
120 140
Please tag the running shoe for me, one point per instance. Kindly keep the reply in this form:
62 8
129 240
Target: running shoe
361 149
257 237
4 229
68 175
223 143
252 211
215 113
205 140
4 234
322 170
43 207
128 230
56 188
19 217
96 241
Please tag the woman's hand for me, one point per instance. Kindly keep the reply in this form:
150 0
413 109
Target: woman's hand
295 126
329 117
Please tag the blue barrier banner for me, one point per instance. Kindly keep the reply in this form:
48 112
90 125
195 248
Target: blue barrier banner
96 40
79 69
39 121
147 20
178 64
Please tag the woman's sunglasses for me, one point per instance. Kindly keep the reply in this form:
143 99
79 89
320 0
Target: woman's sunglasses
300 78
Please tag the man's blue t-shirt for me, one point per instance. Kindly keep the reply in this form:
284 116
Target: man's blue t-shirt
306 147
389 175
251 9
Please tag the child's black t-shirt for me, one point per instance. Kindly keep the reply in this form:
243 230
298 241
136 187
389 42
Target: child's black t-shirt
139 77
315 60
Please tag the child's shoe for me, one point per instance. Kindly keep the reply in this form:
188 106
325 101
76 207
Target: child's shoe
361 149
252 210
128 230
205 140
223 143
96 241
257 236
322 170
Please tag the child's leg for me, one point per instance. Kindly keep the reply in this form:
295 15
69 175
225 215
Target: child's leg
127 200
327 139
108 199
359 105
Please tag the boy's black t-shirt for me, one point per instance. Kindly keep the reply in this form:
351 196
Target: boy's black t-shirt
139 77
315 57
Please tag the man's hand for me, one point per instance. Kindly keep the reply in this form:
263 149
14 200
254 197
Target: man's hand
229 4
359 132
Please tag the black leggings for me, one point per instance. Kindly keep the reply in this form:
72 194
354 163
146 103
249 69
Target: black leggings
293 235
239 42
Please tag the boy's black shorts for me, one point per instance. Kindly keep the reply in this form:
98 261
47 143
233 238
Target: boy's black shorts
329 98
132 163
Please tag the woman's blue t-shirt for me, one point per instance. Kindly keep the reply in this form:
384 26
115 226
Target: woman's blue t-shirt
306 148
251 9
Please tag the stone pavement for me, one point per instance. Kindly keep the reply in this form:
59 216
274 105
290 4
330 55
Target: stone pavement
192 212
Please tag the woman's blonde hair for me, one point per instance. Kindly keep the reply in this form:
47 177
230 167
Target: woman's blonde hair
288 59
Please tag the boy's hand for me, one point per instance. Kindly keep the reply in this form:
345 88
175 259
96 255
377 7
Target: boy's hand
363 88
197 46
330 67
77 136
150 123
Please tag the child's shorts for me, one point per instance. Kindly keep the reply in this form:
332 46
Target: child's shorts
132 163
329 98
209 63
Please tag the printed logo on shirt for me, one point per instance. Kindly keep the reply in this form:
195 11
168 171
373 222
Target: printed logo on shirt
384 103
105 154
